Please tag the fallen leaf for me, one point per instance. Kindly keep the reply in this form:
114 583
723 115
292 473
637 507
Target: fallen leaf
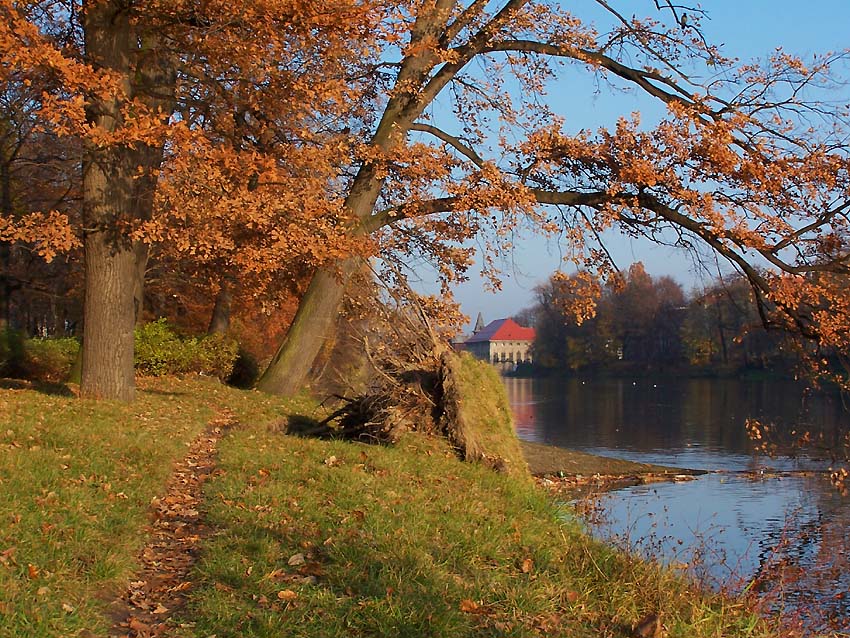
297 559
138 626
311 569
67 608
572 596
275 573
527 565
469 606
160 609
41 591
287 594
32 571
8 556
332 461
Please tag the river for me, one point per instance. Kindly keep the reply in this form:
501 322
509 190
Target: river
786 537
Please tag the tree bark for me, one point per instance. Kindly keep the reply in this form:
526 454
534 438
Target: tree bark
220 318
109 315
110 260
312 324
114 193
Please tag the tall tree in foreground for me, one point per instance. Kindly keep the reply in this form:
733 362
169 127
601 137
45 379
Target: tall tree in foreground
144 86
751 163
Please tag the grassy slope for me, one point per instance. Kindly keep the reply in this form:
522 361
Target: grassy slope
76 480
403 541
398 538
486 415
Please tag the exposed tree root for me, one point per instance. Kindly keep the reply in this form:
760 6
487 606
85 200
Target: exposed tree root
162 583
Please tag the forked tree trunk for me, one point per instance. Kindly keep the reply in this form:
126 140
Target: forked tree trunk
312 324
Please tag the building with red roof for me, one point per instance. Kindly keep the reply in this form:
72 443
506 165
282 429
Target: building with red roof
503 342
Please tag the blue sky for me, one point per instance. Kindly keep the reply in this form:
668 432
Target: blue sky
747 29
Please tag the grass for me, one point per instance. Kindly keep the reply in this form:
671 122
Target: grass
76 480
485 415
311 538
409 541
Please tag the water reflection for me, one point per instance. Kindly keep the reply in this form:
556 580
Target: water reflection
787 538
696 423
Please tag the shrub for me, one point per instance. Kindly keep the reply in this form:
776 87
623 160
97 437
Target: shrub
11 352
48 359
213 355
36 359
160 351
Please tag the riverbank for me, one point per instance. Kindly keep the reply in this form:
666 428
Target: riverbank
295 536
571 474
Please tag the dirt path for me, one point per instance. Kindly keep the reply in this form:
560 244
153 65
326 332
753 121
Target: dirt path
161 585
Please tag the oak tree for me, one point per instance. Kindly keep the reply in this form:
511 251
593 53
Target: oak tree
749 161
152 91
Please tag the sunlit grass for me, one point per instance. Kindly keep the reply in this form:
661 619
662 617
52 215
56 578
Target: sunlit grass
408 541
76 480
309 538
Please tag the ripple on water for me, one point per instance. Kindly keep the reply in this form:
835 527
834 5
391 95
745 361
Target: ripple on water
731 532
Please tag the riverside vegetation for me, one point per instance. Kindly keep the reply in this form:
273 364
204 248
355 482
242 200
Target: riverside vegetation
308 536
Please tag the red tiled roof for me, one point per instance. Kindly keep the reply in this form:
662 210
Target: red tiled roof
502 330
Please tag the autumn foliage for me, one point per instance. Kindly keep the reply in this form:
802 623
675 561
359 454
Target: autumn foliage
261 155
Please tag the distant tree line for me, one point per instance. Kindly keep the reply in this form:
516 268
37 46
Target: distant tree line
641 323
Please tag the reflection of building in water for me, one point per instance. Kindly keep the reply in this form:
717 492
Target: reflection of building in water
503 342
521 398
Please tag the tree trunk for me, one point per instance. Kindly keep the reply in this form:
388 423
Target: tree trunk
114 193
141 267
109 319
5 288
314 319
5 251
313 322
220 318
108 309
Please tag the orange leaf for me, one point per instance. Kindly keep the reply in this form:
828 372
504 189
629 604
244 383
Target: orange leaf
469 606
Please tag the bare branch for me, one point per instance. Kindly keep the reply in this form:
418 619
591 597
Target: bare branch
451 140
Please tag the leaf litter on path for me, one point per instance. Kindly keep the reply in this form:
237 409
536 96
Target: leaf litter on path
161 585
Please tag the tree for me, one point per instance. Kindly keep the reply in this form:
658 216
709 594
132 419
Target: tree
635 324
723 330
35 296
148 87
751 163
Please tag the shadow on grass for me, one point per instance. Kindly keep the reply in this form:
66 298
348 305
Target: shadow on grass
306 426
309 427
43 387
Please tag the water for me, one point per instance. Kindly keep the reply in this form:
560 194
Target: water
786 536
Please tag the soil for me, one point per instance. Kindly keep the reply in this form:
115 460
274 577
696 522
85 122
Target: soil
546 459
576 473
